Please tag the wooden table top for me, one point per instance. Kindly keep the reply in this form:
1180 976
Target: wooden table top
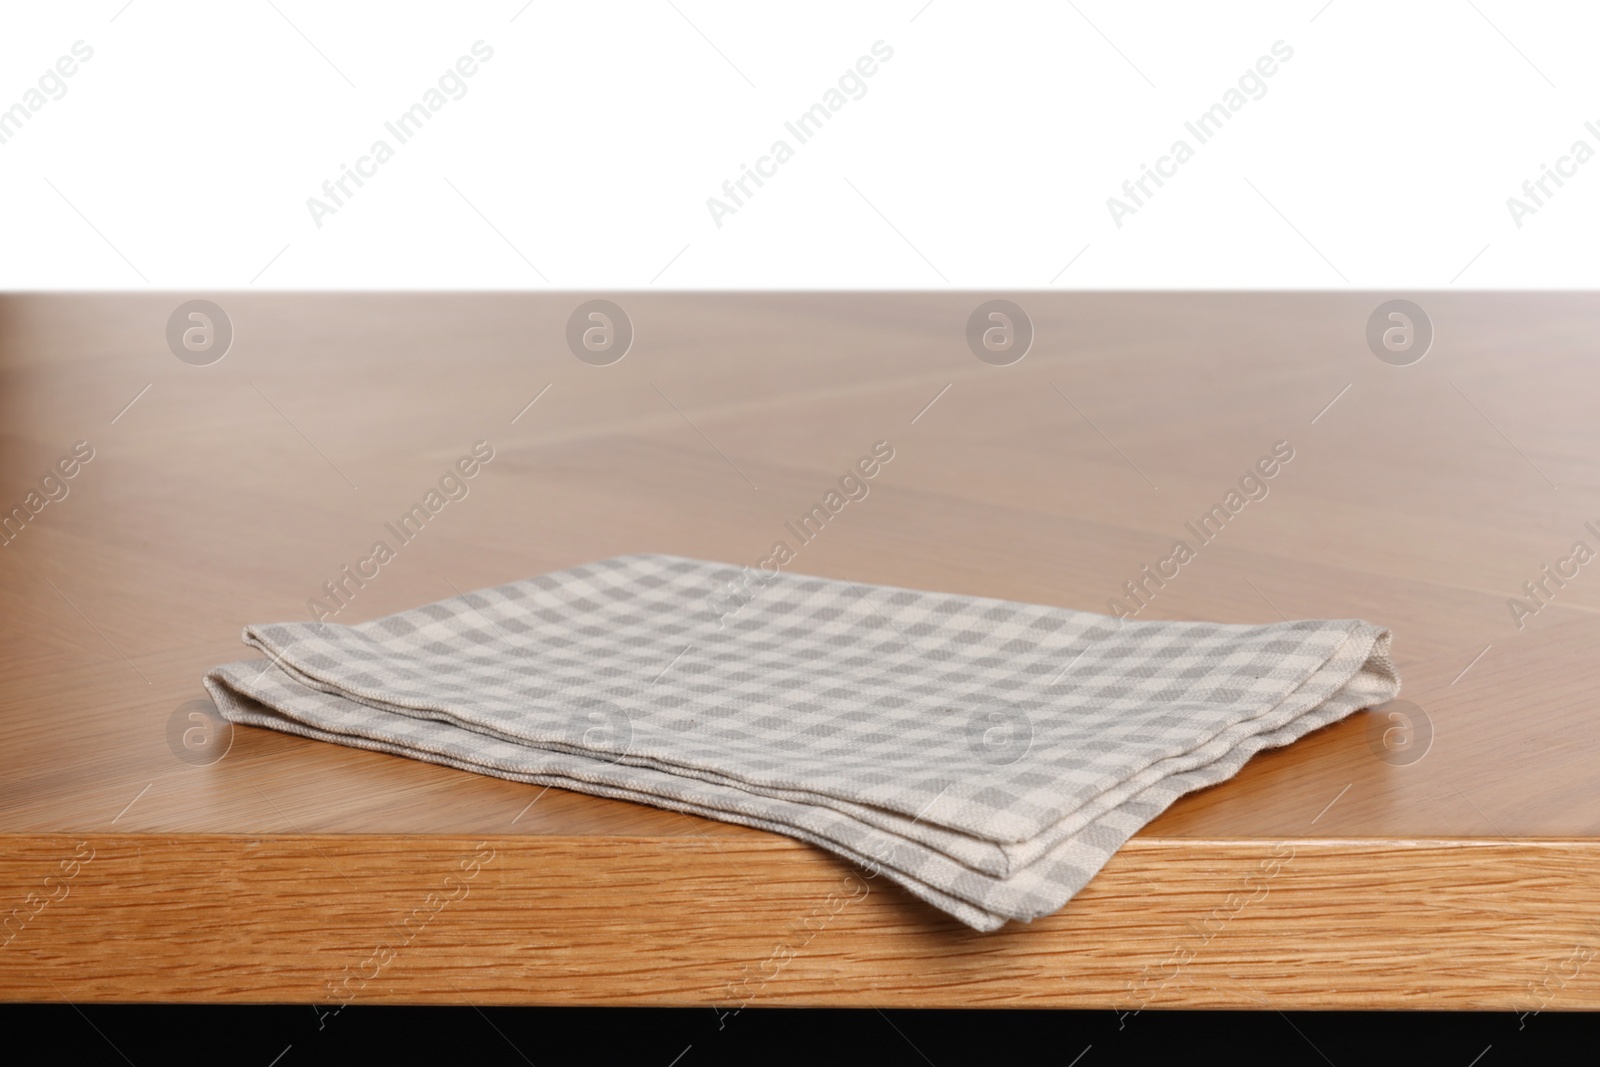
1445 855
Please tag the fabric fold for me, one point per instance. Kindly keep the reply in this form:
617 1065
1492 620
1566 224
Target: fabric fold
988 755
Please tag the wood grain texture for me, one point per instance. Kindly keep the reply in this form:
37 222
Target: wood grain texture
1423 499
762 921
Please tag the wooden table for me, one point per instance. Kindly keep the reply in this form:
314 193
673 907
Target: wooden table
1421 497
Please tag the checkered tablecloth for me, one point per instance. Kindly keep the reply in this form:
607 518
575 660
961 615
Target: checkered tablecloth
988 755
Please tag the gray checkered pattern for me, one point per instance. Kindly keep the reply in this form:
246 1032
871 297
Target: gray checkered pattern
988 755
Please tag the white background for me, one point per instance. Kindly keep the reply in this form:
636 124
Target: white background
982 155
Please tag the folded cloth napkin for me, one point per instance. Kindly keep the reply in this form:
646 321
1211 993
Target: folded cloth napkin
988 755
